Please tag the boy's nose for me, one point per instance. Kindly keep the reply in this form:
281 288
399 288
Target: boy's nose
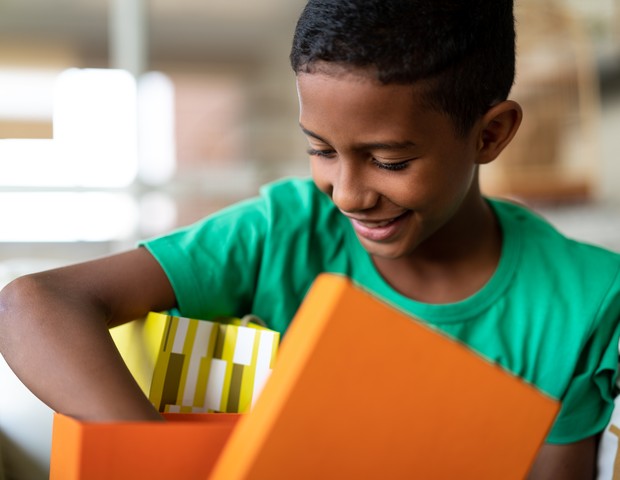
351 192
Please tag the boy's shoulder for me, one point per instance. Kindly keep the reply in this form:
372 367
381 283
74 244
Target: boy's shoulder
539 236
295 195
290 187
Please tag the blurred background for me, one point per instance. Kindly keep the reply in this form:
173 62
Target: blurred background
122 119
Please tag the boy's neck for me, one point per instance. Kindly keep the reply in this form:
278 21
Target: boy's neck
452 265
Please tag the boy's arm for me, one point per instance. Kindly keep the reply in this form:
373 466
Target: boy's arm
54 333
573 461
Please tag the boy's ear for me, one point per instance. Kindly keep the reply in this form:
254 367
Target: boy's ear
498 127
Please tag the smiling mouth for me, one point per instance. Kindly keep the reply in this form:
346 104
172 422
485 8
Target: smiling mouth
379 231
378 224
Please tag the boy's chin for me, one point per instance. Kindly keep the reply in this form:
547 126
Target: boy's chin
386 252
388 257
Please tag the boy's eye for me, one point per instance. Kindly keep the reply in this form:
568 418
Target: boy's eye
321 153
393 167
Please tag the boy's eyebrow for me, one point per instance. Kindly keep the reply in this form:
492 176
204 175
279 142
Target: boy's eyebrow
312 134
372 145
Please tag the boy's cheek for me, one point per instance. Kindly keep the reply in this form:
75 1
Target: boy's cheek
321 180
324 187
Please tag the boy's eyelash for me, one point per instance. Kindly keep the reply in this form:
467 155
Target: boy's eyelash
320 153
393 167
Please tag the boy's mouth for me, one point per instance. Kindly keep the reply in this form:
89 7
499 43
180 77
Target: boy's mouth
378 230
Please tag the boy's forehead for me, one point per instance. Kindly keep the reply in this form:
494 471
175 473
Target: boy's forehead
335 96
341 79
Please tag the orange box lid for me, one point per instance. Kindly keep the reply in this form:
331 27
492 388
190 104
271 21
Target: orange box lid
361 390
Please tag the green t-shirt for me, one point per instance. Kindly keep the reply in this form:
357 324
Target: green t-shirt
550 313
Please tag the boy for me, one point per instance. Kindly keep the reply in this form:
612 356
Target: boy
401 102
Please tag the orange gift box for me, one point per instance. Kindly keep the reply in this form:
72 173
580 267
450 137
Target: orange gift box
361 390
186 446
358 390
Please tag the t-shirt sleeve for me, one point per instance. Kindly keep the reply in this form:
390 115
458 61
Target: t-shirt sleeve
588 402
213 264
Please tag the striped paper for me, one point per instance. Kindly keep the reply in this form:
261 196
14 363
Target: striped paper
205 366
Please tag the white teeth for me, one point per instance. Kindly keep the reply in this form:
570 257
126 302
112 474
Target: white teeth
377 224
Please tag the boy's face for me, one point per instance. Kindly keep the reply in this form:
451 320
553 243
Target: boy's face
397 170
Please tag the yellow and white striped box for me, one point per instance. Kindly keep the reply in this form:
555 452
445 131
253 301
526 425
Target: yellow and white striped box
205 366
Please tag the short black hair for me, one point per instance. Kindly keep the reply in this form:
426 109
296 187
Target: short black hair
464 48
